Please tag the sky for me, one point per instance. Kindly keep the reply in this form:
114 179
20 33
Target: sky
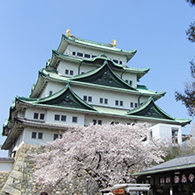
29 30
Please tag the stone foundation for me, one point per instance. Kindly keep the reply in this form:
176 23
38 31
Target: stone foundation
20 180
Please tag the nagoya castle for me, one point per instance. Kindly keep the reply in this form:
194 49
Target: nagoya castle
86 82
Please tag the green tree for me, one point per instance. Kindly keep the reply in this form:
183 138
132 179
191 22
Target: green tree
188 98
192 2
191 32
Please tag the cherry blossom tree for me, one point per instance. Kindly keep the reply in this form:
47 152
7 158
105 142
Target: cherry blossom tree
191 142
108 154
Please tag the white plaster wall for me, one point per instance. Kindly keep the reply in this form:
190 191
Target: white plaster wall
110 95
51 86
49 116
85 68
47 136
29 114
19 140
165 131
132 77
6 166
69 115
105 120
91 51
63 65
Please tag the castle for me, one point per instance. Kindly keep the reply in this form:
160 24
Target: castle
86 82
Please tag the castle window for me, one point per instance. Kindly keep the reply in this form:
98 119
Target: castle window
63 117
131 104
56 136
93 56
50 93
135 105
174 135
42 116
126 81
105 101
116 102
57 117
99 122
36 115
130 82
85 98
40 135
120 62
116 61
66 71
94 121
79 54
74 119
87 56
89 99
73 53
71 72
101 100
34 135
151 134
121 103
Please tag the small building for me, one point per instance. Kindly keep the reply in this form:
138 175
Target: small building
6 164
174 177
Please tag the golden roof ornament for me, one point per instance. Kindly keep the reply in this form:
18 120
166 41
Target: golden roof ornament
114 43
68 33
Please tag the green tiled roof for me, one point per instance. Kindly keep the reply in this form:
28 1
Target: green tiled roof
103 76
178 163
95 45
149 109
45 75
64 98
56 55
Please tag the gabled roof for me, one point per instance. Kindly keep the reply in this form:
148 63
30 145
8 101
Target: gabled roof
103 76
178 163
56 57
64 98
149 109
65 40
46 75
20 123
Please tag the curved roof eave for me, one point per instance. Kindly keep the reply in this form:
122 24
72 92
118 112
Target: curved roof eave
65 40
145 104
40 84
139 72
95 71
57 56
46 100
51 76
178 163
